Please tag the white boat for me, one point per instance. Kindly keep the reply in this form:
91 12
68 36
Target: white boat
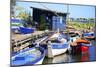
57 45
59 49
73 39
73 36
31 56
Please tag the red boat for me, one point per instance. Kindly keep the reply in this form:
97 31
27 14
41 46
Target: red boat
82 46
78 41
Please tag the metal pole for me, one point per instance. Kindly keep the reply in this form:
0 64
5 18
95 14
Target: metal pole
67 17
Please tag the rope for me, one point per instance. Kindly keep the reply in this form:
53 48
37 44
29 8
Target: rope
49 9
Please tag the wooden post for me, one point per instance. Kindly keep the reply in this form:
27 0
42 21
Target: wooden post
49 50
15 48
37 44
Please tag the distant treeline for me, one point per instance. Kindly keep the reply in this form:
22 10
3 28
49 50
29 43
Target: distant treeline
82 19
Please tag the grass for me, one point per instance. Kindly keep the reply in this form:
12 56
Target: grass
80 25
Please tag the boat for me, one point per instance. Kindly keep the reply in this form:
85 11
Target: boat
57 44
89 35
85 47
15 24
77 43
31 56
84 44
25 30
85 41
80 46
59 48
73 38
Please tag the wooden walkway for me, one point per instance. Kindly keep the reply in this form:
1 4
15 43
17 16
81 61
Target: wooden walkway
22 41
19 37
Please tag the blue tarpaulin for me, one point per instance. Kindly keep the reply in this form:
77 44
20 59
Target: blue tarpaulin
16 21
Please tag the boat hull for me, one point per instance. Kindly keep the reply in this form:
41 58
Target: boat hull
56 52
25 30
57 44
85 47
59 48
80 49
40 62
28 59
89 35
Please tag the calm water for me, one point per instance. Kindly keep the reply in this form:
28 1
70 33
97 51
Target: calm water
68 58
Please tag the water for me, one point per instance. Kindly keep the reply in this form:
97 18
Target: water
88 56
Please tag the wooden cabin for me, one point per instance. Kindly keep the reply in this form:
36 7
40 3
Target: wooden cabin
53 19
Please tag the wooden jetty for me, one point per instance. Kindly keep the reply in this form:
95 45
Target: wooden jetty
19 37
22 41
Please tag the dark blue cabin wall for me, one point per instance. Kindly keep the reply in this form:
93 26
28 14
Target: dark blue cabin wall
59 23
36 15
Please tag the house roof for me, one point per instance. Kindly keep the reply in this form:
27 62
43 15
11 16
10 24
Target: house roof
52 10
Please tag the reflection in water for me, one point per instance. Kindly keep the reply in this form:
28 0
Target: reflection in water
90 55
58 59
85 57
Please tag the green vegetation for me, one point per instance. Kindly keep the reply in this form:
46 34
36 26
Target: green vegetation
82 26
27 19
28 22
25 16
43 25
81 19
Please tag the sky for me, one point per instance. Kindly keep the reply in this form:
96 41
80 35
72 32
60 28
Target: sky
76 11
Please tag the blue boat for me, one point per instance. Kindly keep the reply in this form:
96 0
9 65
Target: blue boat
29 56
90 35
15 24
25 30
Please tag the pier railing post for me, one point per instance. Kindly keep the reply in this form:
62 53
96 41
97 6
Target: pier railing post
50 55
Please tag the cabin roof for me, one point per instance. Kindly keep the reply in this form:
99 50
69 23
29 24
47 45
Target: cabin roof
50 10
